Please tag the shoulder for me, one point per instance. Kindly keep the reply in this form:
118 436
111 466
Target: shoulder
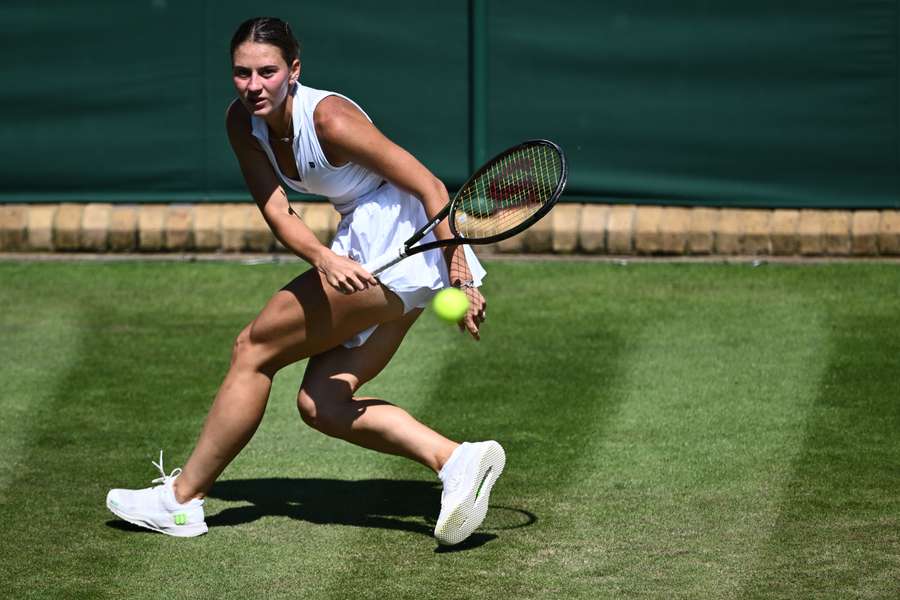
335 118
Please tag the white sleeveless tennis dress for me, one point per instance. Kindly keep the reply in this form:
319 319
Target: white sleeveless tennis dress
376 216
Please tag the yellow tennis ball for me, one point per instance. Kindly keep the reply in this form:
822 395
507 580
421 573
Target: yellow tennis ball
450 304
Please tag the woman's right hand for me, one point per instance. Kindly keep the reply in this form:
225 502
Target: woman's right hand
344 274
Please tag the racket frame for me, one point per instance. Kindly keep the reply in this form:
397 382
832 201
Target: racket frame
408 250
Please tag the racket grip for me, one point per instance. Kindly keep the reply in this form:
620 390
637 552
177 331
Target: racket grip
383 262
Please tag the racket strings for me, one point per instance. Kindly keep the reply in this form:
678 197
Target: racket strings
508 193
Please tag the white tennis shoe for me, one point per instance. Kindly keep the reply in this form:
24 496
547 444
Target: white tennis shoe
468 476
156 507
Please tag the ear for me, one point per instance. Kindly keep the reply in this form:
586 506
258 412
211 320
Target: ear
295 70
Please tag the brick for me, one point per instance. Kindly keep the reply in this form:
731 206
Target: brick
754 236
515 243
40 226
234 220
647 239
258 236
510 245
864 232
67 227
539 237
702 230
95 227
207 227
123 228
592 228
811 232
837 232
564 222
889 232
319 217
783 232
673 229
728 232
13 227
179 228
620 229
152 227
300 208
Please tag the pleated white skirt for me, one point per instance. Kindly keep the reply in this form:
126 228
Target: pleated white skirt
381 222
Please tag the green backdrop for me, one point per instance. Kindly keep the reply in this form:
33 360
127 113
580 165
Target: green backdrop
736 103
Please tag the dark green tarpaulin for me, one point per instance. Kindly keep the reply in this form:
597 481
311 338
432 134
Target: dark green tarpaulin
696 102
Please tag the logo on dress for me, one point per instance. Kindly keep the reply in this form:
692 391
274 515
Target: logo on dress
312 165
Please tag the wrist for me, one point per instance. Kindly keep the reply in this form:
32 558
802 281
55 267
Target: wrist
319 257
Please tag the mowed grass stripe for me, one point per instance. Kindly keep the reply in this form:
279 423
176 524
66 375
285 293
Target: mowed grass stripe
717 397
837 532
38 343
135 386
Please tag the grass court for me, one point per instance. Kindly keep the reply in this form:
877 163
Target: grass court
673 430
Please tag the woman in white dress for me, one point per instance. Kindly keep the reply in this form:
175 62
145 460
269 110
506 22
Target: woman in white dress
337 314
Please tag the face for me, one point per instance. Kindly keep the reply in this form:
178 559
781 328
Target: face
262 77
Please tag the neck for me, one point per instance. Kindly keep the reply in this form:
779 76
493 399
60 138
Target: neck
280 122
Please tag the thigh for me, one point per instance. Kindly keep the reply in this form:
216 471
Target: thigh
346 369
308 317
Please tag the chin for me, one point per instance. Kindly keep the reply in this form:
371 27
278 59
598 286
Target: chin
250 106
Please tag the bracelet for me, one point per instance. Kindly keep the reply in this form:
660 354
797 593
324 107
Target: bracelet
466 284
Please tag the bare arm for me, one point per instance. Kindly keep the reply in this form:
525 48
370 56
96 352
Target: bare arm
265 188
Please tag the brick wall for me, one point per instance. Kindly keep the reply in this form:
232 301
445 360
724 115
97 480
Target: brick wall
569 229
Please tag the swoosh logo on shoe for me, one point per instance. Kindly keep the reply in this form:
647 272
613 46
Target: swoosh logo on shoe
483 479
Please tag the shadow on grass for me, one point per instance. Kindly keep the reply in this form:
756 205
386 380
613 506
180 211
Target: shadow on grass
403 505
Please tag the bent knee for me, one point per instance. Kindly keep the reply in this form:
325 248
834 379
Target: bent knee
330 413
241 344
307 407
248 353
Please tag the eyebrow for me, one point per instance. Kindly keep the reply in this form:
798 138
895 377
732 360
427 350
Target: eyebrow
260 68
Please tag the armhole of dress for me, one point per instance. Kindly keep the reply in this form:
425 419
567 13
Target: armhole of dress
358 107
312 114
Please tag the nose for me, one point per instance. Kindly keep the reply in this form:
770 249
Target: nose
255 83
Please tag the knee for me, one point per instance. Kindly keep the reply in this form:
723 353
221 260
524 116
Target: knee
247 353
306 404
242 349
326 412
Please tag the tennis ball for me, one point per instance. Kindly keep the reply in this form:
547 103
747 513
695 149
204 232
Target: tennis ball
450 304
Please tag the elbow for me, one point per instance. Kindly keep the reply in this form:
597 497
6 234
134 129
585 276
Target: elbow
440 190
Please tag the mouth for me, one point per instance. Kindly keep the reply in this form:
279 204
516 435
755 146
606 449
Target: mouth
256 103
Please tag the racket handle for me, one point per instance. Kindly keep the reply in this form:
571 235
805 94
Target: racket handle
389 259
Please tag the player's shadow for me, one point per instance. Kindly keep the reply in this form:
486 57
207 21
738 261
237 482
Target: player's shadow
403 505
383 503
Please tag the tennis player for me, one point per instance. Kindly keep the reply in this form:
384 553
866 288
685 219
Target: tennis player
338 315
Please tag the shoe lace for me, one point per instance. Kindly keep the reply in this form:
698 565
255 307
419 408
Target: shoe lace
175 473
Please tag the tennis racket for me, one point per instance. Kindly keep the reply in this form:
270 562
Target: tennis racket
506 196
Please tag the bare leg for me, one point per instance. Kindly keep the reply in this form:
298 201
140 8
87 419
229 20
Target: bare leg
326 400
305 318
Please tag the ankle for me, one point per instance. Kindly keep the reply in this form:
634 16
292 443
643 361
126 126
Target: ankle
183 493
444 455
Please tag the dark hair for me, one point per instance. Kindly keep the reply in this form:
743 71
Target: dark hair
268 30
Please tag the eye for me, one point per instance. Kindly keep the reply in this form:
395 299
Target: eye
242 73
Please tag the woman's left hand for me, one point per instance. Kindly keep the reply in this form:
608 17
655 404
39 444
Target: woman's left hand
476 313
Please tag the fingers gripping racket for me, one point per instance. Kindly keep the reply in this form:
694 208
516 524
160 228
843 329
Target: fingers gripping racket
506 196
